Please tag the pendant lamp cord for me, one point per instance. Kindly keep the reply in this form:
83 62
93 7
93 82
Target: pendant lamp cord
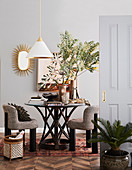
40 18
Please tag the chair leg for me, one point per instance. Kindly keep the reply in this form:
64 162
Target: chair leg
88 136
32 140
72 140
95 145
24 139
7 130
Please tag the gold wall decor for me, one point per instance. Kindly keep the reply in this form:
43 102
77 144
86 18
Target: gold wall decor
22 65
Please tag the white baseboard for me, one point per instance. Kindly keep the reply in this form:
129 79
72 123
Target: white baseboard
1 130
38 130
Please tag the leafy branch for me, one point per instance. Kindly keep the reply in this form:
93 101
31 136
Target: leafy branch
73 58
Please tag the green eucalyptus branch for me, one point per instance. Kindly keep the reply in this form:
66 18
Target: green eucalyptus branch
74 57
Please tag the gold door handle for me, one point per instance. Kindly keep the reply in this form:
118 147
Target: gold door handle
104 96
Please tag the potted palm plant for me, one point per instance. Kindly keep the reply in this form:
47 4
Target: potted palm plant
114 135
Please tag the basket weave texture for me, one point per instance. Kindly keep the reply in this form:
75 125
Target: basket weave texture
13 148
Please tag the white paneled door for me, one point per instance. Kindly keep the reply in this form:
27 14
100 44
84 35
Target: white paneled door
116 69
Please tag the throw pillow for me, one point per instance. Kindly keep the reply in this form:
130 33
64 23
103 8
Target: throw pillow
22 113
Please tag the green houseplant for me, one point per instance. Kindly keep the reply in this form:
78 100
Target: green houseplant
114 135
76 56
73 58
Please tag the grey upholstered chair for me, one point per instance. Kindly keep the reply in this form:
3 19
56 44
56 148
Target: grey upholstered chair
90 113
12 123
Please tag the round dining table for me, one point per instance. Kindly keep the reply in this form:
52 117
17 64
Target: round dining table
56 134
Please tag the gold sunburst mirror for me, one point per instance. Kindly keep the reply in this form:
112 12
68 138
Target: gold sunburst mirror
20 63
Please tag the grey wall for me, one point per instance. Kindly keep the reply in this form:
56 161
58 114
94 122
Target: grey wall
19 23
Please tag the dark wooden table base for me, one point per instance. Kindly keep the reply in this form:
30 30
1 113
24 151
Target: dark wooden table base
56 129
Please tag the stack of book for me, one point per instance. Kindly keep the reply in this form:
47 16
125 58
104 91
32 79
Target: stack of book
37 100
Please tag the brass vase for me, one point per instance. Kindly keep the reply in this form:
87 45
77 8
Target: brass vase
71 89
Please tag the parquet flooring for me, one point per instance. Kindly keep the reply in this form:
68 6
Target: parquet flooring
51 163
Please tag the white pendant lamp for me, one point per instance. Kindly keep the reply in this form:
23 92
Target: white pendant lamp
40 49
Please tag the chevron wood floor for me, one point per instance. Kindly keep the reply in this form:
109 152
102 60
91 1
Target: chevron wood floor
51 163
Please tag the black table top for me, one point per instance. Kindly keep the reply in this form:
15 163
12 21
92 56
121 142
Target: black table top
68 105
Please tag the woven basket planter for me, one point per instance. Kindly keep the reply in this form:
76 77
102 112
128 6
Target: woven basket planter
13 148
